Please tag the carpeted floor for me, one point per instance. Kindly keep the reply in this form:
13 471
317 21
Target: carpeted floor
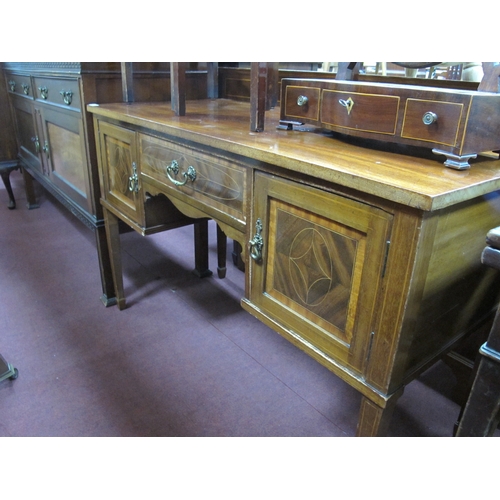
183 359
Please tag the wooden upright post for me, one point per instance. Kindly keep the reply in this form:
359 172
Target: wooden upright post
258 95
178 87
127 82
212 80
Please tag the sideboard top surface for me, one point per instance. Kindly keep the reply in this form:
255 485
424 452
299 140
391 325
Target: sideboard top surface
416 178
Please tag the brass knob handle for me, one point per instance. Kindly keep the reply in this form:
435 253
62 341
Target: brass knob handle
302 100
256 243
67 96
174 169
133 180
429 118
44 92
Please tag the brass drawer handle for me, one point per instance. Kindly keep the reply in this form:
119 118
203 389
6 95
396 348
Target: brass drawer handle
174 169
256 243
44 92
12 85
348 104
67 96
26 89
429 118
302 100
133 180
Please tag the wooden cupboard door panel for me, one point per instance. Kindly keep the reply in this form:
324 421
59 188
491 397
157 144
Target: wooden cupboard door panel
62 148
322 266
120 168
27 134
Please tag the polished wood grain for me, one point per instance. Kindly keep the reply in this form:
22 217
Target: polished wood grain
370 256
463 123
417 178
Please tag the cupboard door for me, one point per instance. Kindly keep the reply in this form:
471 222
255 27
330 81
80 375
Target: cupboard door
63 153
121 185
27 134
321 266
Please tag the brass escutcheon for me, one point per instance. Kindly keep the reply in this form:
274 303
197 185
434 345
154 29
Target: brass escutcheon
256 243
133 180
348 104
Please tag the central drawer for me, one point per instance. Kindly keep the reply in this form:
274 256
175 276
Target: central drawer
211 183
360 111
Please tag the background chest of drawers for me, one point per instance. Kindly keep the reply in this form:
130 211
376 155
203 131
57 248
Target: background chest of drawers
55 135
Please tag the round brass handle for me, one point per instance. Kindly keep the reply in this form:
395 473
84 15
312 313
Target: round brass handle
302 100
429 118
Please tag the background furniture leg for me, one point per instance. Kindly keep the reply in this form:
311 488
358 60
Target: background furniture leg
221 252
5 173
201 249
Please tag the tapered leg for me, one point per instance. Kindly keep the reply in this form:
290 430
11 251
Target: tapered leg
201 249
108 287
482 412
221 252
113 238
373 419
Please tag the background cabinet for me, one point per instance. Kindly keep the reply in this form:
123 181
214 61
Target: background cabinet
55 135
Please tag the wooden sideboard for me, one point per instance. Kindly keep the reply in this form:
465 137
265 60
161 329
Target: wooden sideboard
364 255
54 134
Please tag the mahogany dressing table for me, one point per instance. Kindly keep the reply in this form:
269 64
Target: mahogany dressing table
364 255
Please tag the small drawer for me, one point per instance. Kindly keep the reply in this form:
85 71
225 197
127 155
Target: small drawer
19 84
63 92
434 121
214 183
302 102
360 111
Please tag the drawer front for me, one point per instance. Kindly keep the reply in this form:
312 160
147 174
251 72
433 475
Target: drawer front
19 84
360 111
302 102
212 183
60 91
432 121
